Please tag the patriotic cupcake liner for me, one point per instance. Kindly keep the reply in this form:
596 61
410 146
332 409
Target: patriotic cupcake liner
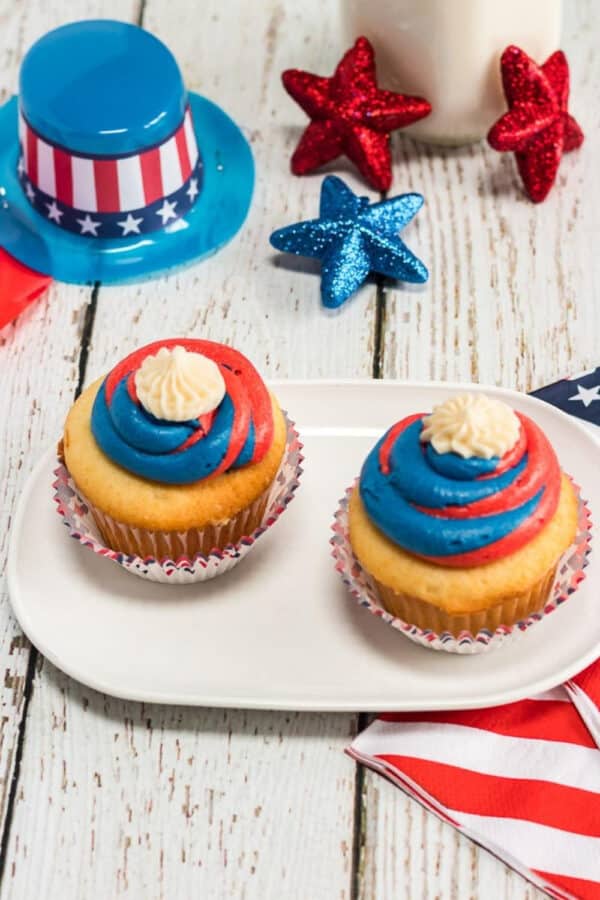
78 518
570 573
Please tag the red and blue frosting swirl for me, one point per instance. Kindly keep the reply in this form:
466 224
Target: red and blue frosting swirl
237 433
455 511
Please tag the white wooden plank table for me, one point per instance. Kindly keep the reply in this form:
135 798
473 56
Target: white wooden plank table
100 797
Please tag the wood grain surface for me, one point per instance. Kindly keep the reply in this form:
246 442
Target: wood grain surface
100 797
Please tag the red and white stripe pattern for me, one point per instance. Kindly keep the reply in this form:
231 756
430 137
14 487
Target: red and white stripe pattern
522 780
109 185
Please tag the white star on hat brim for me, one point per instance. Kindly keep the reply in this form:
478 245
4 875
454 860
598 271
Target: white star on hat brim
130 225
167 211
586 395
88 225
54 213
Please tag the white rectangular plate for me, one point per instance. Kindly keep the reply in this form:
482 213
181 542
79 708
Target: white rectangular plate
280 630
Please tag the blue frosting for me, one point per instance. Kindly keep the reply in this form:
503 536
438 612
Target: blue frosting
454 466
389 499
147 446
102 88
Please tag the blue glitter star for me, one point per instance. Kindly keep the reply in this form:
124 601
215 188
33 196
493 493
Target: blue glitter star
353 237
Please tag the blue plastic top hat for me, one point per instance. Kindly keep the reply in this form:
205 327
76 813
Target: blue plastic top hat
109 169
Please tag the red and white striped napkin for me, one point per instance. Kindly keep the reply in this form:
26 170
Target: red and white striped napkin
522 780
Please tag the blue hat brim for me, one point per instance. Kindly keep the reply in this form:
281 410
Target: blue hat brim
218 213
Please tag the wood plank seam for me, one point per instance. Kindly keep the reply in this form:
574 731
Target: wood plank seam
359 820
14 781
360 789
379 328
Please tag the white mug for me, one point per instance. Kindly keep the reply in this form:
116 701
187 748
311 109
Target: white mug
448 51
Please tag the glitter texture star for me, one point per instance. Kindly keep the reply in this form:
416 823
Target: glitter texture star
353 237
350 115
538 128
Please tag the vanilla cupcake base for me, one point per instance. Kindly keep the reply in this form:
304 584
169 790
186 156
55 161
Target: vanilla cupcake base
172 557
547 594
431 618
176 544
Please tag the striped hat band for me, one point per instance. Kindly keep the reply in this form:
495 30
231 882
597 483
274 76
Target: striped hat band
111 197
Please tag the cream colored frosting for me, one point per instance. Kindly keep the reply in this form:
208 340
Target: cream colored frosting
177 385
472 425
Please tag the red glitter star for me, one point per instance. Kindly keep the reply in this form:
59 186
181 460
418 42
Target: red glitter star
350 115
537 128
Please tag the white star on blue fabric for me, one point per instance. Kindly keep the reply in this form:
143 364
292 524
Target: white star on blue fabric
192 190
54 212
130 225
21 165
88 225
353 237
587 395
167 211
30 192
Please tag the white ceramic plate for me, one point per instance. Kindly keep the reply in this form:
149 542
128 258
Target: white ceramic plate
280 630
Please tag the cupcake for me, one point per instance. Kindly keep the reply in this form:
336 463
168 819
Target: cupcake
461 517
176 450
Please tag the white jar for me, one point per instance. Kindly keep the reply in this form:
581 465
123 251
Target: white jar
448 51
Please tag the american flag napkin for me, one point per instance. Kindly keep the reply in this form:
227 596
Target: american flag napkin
578 395
522 780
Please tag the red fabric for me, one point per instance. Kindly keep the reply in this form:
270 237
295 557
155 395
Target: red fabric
550 721
575 887
522 780
589 681
560 807
19 286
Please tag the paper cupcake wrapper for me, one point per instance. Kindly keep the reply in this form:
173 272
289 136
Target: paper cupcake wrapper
569 575
77 516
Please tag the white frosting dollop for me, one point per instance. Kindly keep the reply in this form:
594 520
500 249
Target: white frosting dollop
177 385
472 425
